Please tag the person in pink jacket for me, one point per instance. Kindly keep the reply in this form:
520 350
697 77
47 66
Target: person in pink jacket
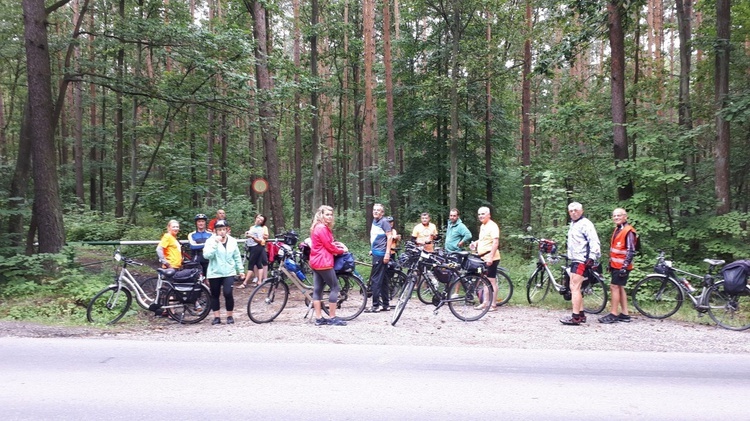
322 250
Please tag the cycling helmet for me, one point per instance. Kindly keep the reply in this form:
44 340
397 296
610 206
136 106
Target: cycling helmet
389 219
221 223
201 216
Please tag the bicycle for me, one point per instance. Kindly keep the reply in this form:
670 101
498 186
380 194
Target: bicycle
661 294
186 303
270 298
467 263
466 292
593 290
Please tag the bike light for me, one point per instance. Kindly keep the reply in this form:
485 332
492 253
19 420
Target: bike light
668 263
118 256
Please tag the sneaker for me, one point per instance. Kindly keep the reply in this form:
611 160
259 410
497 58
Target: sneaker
322 321
454 296
608 319
623 318
230 320
373 309
335 321
582 317
198 307
386 308
571 320
216 321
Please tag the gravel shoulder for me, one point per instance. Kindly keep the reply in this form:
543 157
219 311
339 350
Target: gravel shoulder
519 327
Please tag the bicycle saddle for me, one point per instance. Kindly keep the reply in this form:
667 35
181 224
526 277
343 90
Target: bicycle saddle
167 273
714 262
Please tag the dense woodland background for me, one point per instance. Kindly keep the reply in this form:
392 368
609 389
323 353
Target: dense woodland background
116 116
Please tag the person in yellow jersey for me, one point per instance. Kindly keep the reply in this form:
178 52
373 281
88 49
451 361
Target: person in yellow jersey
424 232
486 247
169 248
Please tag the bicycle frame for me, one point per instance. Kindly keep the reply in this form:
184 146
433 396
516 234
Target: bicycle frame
699 301
127 280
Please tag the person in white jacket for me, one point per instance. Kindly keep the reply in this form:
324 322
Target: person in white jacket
584 250
224 264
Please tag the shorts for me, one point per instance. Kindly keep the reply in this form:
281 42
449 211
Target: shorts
618 278
256 257
492 269
578 268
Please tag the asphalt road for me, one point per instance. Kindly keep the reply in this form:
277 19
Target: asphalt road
122 379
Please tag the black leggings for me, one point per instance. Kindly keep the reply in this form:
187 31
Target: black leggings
322 278
216 286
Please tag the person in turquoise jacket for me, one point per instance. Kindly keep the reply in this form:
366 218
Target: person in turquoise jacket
457 235
224 264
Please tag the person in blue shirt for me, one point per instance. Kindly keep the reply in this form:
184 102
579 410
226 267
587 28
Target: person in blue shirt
197 240
457 235
380 248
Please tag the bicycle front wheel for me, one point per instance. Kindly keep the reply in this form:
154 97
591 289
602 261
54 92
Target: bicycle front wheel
109 305
267 300
657 296
188 308
352 298
504 288
403 298
594 295
466 294
730 311
538 286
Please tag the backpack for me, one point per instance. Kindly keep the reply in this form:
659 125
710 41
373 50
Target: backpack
735 276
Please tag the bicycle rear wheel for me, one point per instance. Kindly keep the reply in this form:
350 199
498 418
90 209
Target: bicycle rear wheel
109 305
594 295
657 296
425 290
403 298
267 300
504 288
188 312
730 311
396 279
466 295
538 286
352 298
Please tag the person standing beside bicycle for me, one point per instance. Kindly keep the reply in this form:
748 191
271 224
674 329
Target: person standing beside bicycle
487 247
169 250
456 235
197 239
621 254
424 232
255 248
380 249
322 250
584 250
224 264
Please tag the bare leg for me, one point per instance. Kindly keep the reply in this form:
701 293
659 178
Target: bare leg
575 291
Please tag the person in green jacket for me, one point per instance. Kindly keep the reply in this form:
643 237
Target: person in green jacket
457 235
224 264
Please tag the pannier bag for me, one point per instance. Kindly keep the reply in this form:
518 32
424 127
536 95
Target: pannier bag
474 264
186 276
343 263
442 274
735 276
187 294
547 246
272 249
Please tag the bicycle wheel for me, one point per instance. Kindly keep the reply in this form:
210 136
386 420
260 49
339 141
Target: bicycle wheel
352 297
465 300
267 300
403 298
538 286
425 292
730 311
396 279
657 296
504 288
304 266
188 312
109 305
594 295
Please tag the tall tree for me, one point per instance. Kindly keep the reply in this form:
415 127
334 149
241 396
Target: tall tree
389 124
47 209
368 126
617 86
721 84
526 120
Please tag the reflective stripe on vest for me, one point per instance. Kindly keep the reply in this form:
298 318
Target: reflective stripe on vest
619 248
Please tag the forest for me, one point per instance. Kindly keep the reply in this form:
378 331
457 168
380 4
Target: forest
116 116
